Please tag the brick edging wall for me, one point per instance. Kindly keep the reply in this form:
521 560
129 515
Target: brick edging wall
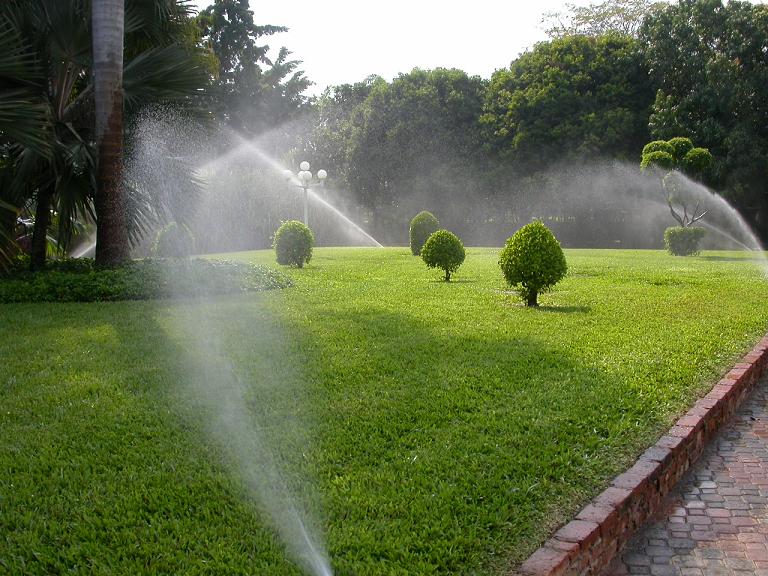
586 545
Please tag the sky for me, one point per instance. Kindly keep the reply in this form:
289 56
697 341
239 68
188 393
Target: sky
344 41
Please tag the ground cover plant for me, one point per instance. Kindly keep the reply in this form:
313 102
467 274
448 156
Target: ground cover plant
78 280
452 427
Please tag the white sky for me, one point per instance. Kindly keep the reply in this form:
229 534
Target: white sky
343 41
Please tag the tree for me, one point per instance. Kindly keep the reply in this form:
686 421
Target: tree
415 136
251 93
672 158
715 91
111 233
54 174
444 250
573 97
612 16
533 260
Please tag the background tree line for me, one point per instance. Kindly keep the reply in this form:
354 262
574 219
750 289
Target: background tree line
497 151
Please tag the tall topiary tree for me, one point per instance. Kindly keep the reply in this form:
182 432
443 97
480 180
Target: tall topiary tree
532 261
293 244
422 227
443 249
671 158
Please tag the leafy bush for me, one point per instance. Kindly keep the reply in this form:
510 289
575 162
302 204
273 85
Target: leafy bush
174 241
293 244
423 225
657 159
533 261
681 147
78 280
697 160
681 241
444 250
659 146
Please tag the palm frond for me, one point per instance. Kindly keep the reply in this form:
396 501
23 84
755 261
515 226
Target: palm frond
162 75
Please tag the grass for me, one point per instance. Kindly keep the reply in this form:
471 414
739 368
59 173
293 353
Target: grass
445 428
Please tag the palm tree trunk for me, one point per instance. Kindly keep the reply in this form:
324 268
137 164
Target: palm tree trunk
38 248
111 231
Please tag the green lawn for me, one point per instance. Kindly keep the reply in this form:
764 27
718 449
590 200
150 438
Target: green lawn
434 428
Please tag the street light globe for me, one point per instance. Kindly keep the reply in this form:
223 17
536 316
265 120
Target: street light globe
304 165
322 174
305 176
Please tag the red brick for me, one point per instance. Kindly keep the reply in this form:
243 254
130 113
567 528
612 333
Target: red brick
598 514
613 497
657 454
578 531
680 431
570 548
670 442
689 420
546 562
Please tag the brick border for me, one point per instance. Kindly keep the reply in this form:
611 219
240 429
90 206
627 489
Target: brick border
587 544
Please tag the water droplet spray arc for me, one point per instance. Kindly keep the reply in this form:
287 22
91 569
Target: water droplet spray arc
355 231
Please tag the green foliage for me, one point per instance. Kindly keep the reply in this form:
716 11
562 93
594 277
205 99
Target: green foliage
659 146
713 89
444 250
696 161
657 159
174 241
253 92
401 138
680 146
293 244
683 241
533 260
569 98
49 157
422 226
78 280
597 19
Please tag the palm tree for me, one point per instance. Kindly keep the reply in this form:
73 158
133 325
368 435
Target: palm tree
111 232
48 162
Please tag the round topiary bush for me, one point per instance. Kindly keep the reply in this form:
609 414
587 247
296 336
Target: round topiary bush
681 241
658 146
293 244
174 240
532 261
657 159
444 250
422 227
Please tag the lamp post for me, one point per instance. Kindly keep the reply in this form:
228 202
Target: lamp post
304 176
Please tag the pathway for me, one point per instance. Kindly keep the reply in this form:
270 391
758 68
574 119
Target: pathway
716 520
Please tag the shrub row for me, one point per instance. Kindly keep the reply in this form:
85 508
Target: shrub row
80 281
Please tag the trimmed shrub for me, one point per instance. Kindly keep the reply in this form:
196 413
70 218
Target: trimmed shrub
658 146
78 280
697 160
681 241
293 244
532 261
681 147
444 250
657 159
173 241
423 225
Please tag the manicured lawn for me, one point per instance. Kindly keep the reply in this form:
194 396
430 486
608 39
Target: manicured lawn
443 428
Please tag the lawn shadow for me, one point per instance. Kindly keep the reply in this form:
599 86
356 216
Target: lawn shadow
754 259
566 309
